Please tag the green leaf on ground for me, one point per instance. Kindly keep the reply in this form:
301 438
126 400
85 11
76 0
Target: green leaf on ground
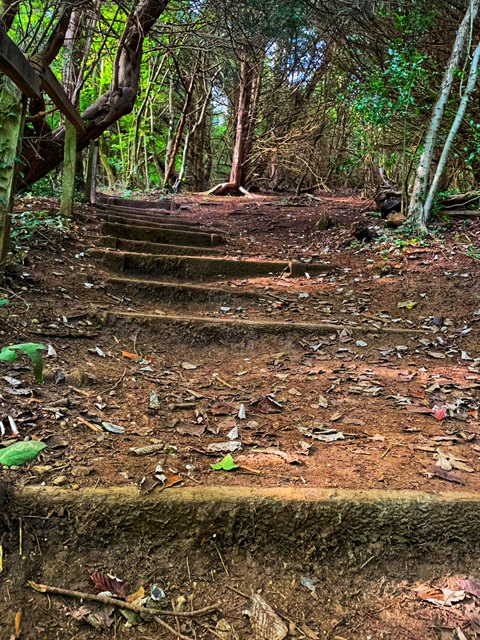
227 464
21 452
4 302
31 350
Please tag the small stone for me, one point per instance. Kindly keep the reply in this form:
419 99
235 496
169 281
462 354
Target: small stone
41 469
60 481
395 220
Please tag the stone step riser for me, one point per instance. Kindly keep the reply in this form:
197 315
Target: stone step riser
161 236
161 205
137 246
329 521
153 223
231 331
198 268
168 293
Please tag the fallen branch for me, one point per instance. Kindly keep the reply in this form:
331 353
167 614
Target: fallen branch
121 604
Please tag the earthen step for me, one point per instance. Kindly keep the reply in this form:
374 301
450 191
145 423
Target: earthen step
137 246
151 222
102 206
158 216
172 292
327 520
200 268
200 329
166 205
161 235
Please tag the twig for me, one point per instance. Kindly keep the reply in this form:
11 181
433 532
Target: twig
117 383
166 626
114 602
88 424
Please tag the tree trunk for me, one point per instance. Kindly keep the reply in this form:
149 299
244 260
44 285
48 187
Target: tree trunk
470 88
243 126
91 182
110 107
417 215
69 167
12 118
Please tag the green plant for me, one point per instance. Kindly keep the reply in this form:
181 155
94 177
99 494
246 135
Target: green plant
27 223
29 349
473 252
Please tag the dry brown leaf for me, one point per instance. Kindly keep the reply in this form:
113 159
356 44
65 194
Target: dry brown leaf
18 623
131 356
266 624
138 595
430 594
172 478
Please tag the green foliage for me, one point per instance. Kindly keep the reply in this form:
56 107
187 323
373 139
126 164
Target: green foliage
27 223
227 464
29 349
473 252
21 452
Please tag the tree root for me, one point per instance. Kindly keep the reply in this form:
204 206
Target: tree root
229 188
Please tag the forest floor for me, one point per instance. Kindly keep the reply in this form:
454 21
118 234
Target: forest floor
383 394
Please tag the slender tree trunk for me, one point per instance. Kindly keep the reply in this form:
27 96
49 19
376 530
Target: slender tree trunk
69 167
243 125
106 165
91 182
470 88
417 215
179 133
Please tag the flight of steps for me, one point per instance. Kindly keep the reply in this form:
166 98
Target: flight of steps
161 258
178 274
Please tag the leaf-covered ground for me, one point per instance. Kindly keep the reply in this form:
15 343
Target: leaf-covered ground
367 404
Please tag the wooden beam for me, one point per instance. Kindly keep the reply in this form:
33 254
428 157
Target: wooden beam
16 67
55 91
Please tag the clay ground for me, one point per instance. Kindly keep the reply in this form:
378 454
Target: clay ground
407 346
377 388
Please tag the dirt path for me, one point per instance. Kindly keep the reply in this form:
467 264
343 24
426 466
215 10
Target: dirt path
313 363
232 325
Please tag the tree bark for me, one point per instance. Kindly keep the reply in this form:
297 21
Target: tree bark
12 117
417 215
470 88
111 106
69 169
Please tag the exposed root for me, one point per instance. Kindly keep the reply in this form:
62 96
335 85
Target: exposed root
229 188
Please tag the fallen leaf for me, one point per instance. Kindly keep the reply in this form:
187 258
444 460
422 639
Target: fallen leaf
224 447
266 624
131 356
227 464
439 412
105 582
172 479
138 595
470 586
188 366
437 472
191 429
407 304
437 355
